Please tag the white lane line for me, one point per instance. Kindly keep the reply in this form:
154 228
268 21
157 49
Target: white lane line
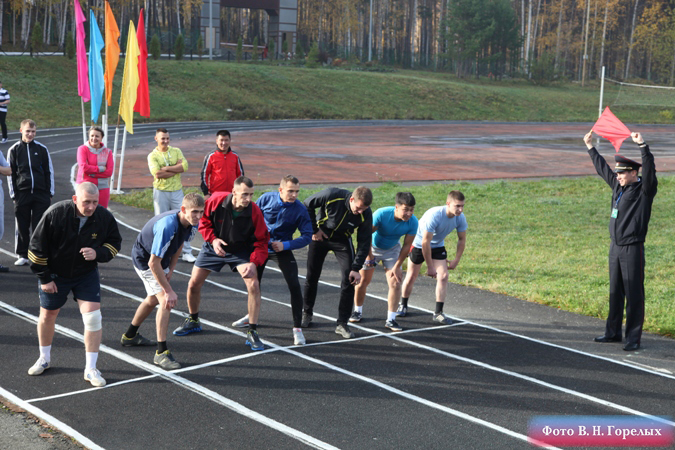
51 420
183 382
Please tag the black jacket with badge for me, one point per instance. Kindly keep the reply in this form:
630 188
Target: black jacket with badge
635 205
338 222
55 245
32 169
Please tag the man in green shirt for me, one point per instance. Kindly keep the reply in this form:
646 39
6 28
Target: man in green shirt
166 163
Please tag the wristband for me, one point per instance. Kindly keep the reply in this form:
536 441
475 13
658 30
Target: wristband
370 263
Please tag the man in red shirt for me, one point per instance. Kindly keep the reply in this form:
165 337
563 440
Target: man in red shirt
221 167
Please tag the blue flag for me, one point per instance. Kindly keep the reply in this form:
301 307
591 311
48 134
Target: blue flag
96 82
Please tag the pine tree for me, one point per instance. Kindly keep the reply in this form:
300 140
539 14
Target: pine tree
313 57
254 53
155 47
179 47
240 50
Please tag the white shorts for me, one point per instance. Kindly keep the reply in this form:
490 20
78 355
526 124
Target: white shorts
388 257
152 286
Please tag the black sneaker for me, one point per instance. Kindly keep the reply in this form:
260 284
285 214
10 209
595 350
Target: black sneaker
343 330
253 341
442 319
136 341
306 320
393 325
402 310
189 326
356 317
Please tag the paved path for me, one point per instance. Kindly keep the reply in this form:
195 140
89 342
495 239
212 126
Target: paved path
474 384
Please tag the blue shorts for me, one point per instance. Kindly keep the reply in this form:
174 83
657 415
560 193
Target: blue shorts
208 259
86 287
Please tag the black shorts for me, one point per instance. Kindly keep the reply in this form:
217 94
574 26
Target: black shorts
208 259
416 256
86 287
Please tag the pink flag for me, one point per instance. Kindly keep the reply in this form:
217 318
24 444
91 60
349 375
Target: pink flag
611 128
82 67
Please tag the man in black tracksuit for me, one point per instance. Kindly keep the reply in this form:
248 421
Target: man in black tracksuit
341 212
31 186
632 198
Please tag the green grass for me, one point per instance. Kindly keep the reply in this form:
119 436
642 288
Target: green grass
545 242
45 89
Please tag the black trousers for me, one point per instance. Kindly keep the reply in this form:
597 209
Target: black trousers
316 255
3 123
626 281
289 269
28 209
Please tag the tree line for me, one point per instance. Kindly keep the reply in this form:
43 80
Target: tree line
538 39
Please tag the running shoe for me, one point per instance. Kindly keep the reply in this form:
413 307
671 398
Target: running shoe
166 361
136 341
189 326
393 325
442 319
40 366
241 323
298 337
402 310
93 376
4 140
4 268
21 261
356 317
253 341
343 330
188 258
306 320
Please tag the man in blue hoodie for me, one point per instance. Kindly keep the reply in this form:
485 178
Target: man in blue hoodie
284 214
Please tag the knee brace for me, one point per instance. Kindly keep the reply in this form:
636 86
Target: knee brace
92 320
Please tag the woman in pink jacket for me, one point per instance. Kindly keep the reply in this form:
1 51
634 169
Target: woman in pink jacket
95 164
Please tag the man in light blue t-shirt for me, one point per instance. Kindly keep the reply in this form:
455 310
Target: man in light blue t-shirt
429 246
389 224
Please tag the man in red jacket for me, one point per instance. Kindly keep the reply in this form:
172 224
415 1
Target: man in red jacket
221 167
235 234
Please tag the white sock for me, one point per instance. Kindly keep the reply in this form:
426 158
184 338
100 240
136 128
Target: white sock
391 315
297 329
46 353
91 357
358 309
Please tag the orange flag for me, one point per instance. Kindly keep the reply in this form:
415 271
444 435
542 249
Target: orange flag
611 128
112 51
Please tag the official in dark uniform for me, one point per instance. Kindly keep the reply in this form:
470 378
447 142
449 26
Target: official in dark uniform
632 198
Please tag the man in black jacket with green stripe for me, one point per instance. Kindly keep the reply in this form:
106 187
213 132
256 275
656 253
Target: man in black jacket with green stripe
340 213
632 199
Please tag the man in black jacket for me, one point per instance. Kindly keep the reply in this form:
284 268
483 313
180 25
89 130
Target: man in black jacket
632 198
68 243
341 212
31 185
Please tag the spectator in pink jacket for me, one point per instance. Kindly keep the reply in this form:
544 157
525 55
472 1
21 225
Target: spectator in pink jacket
95 164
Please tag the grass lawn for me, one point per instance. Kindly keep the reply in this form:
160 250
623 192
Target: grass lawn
544 241
216 90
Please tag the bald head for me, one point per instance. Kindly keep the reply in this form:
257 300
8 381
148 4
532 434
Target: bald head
89 188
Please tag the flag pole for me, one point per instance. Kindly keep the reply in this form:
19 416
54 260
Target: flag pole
84 125
119 177
112 179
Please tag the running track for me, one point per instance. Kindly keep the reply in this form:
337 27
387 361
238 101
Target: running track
474 384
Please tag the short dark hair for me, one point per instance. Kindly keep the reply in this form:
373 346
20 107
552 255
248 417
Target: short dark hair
243 180
97 128
364 194
288 179
161 130
223 133
456 195
405 198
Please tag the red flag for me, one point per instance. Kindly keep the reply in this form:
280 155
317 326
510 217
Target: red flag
142 105
611 128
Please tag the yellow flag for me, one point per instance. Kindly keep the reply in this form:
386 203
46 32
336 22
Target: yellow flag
130 81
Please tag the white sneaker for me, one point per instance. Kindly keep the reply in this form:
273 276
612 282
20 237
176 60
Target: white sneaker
3 140
188 257
94 377
241 323
40 366
21 261
298 337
